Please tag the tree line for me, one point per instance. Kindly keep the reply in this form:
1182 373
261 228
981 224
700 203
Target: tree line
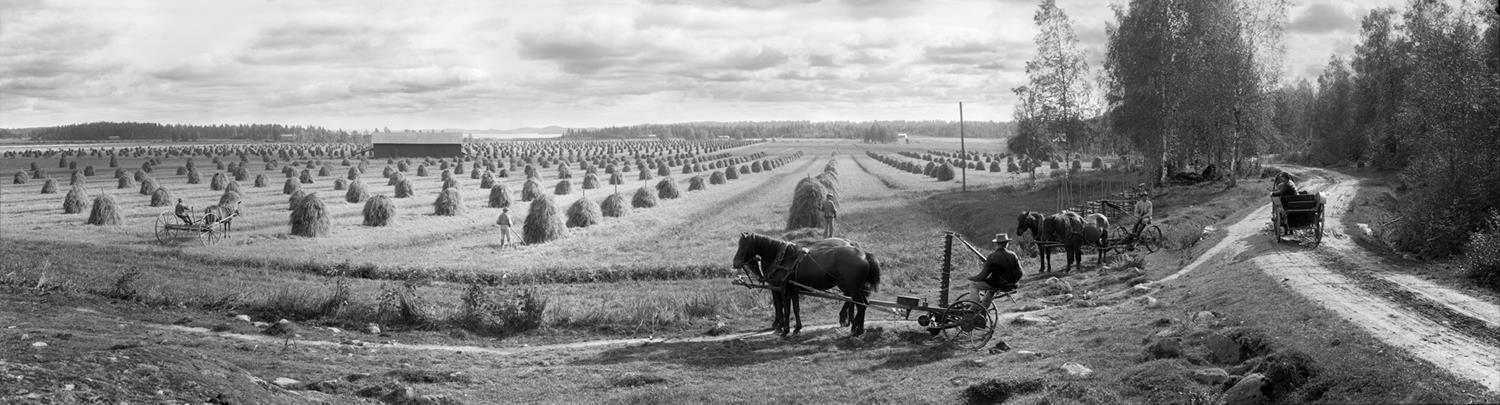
99 131
874 131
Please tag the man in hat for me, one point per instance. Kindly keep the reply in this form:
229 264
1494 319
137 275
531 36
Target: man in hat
1283 185
183 212
830 214
1142 210
504 223
1001 272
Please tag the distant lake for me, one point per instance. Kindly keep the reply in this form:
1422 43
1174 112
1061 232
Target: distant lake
517 136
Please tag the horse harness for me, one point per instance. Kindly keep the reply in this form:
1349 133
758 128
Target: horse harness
780 273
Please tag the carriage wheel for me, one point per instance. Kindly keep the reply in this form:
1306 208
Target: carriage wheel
975 324
208 237
1152 238
1122 241
1275 228
1318 236
161 231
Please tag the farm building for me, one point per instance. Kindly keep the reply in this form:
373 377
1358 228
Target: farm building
417 144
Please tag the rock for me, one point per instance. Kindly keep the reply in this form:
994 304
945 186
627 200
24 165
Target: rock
39 344
1028 353
1163 349
261 325
372 329
401 395
1148 301
1222 349
335 330
1211 376
1077 370
1251 390
243 317
285 383
1205 317
335 387
1029 320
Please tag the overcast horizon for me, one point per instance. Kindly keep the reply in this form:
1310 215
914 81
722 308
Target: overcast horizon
473 65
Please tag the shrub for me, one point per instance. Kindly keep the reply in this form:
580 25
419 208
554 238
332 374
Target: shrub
543 222
379 211
614 206
667 189
485 314
1098 163
530 190
997 391
309 217
124 182
403 189
105 211
291 186
807 201
644 198
583 213
357 192
76 200
563 187
1481 261
449 203
161 197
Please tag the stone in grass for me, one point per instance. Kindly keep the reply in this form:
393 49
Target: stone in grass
1077 370
1254 389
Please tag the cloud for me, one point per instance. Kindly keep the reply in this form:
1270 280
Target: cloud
1323 18
752 59
323 41
748 4
887 9
594 44
46 60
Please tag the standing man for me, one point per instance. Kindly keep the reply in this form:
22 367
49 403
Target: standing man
830 214
1001 272
504 223
1143 210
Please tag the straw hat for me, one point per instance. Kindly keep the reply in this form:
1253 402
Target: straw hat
1001 237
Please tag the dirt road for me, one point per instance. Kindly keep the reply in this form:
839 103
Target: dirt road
1452 330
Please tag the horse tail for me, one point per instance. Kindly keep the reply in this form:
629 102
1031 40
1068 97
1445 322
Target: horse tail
873 281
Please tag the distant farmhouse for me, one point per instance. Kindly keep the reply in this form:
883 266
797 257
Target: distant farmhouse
417 144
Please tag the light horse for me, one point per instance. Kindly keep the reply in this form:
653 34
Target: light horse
1096 233
1064 228
831 263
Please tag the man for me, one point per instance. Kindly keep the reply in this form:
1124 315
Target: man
1001 272
830 214
504 223
1283 185
1142 211
183 212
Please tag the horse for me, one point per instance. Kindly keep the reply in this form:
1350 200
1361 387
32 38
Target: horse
1096 233
831 263
1063 228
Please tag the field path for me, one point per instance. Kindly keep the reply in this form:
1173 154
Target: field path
1450 329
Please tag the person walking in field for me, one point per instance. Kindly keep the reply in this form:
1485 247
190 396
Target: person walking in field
504 223
830 214
184 212
1001 273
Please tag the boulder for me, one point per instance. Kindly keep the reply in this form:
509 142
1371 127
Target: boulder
1211 376
243 318
1205 317
1077 370
1251 390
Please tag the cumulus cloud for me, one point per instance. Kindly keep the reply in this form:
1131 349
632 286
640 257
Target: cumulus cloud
593 44
1323 18
321 41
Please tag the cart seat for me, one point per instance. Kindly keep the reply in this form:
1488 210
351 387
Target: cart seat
1300 202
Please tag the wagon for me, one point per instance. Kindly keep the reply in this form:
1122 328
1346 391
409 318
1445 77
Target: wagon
209 230
1291 214
965 322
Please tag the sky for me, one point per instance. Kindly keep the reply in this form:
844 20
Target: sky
362 64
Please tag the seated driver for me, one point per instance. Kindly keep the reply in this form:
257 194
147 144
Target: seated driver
1001 271
183 212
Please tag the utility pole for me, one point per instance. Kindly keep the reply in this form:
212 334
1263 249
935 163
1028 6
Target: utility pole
963 152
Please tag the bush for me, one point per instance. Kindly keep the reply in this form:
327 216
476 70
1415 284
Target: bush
998 391
105 211
614 206
309 217
667 189
448 203
583 213
379 211
1481 260
357 192
162 197
543 222
76 200
485 314
563 187
644 198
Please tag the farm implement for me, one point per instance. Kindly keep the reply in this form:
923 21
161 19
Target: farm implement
964 321
208 230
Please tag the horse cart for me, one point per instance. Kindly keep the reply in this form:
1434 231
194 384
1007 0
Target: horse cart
208 229
964 321
1297 212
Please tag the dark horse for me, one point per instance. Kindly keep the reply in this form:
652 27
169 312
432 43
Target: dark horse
830 263
1064 228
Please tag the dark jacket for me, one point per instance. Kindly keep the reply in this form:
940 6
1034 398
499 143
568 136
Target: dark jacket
1003 270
